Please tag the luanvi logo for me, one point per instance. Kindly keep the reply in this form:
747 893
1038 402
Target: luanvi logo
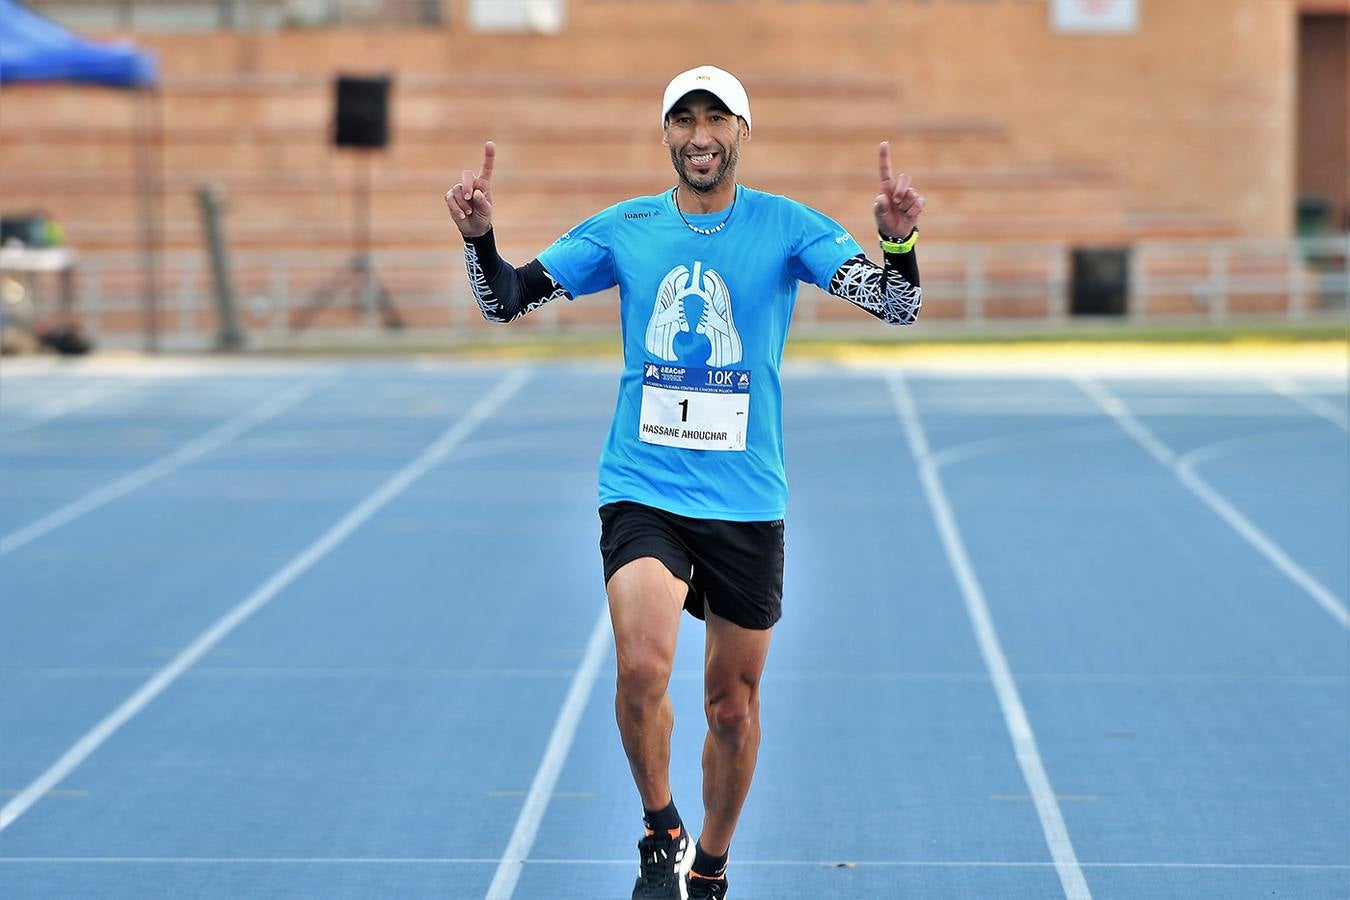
641 215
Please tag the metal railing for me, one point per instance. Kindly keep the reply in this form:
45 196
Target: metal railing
1221 279
970 284
211 15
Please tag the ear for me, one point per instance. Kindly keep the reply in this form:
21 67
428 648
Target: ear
745 129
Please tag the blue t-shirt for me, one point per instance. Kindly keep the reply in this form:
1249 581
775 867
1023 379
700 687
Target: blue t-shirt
704 318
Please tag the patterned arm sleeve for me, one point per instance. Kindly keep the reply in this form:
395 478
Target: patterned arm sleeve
890 292
504 292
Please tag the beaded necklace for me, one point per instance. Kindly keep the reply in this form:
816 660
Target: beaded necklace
674 198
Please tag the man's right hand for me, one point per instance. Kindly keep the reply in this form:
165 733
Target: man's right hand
470 201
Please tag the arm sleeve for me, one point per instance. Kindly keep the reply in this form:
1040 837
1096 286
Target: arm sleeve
504 292
890 292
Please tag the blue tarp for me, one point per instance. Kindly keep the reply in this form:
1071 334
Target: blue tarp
33 48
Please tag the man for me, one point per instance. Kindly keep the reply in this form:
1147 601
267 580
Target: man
692 484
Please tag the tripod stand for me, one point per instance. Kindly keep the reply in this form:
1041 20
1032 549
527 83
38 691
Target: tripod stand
359 278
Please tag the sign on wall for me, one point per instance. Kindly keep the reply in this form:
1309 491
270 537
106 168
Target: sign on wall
540 16
1094 16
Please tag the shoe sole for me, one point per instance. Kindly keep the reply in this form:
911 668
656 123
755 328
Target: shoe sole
686 864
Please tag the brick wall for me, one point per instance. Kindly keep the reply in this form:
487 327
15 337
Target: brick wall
1185 127
1013 133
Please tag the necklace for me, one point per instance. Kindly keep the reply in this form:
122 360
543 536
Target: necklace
674 197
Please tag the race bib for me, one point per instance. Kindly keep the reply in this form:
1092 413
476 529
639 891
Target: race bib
693 408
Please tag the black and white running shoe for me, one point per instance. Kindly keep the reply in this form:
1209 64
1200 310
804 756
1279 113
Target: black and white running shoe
663 860
702 887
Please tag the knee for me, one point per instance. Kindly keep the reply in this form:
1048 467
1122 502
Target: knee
642 679
733 716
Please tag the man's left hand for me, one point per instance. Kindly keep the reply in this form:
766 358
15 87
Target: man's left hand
898 206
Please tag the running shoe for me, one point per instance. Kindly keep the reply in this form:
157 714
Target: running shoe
663 860
701 887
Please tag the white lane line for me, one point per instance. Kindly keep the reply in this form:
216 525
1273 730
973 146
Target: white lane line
775 863
1126 420
779 676
550 767
186 453
1184 470
78 398
1005 688
395 485
1287 388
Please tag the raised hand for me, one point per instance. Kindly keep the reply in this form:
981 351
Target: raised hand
898 205
470 201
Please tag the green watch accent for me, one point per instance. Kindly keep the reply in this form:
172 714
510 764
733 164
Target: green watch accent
892 245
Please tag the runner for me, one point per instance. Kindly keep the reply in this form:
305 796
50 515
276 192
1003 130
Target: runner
692 482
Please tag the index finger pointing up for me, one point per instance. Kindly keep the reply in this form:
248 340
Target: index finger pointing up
884 159
489 155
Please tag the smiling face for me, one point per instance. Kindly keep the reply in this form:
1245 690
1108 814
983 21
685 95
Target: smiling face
704 140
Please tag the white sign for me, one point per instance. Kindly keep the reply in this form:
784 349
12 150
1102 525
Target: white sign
539 16
694 408
1094 16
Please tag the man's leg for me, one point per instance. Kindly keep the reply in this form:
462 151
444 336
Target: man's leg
733 662
645 601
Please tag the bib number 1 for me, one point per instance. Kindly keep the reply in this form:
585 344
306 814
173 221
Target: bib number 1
694 408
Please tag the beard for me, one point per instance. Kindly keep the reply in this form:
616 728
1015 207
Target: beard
703 184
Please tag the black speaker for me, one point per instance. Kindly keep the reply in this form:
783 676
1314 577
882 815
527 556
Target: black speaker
1100 281
362 111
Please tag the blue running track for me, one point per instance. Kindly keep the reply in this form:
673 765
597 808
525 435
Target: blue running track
335 630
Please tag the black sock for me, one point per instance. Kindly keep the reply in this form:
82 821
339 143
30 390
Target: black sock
708 865
662 821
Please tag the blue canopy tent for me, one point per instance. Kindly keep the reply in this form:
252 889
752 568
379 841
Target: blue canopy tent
33 49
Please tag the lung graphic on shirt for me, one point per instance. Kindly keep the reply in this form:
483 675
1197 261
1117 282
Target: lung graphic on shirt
716 323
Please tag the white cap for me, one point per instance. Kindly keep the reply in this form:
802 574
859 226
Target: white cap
722 85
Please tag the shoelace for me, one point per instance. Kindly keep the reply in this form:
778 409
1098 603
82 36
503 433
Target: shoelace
654 871
658 868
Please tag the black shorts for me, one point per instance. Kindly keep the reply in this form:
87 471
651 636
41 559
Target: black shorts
736 568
